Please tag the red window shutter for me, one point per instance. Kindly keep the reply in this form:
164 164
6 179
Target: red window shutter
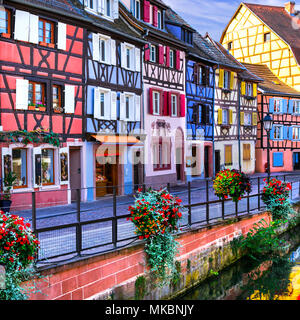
161 55
161 96
182 105
155 17
147 11
147 52
167 56
151 101
166 104
178 60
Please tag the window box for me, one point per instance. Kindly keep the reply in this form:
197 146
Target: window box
226 91
5 35
31 107
249 97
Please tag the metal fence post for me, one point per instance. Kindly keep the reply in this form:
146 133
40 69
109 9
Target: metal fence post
189 203
248 202
207 202
114 221
258 191
33 221
78 226
168 187
223 209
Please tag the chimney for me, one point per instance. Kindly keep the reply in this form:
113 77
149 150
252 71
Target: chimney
290 7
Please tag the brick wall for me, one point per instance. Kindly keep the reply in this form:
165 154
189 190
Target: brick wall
93 276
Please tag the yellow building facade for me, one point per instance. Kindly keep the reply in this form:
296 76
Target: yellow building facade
260 34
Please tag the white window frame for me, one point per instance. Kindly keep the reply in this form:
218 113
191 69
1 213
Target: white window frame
296 133
247 119
296 106
225 115
106 40
137 9
277 106
174 105
153 52
156 106
280 132
131 112
159 19
172 56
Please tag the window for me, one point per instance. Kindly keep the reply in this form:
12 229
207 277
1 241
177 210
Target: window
229 46
172 55
128 58
107 10
5 22
226 79
127 105
174 105
153 57
156 103
162 154
104 49
19 164
277 106
202 74
46 32
267 37
228 155
159 19
278 132
204 114
296 133
246 152
247 119
296 106
225 117
249 89
47 166
36 95
91 4
102 103
137 9
57 99
186 36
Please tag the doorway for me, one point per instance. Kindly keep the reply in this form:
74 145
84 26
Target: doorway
217 161
138 170
296 160
75 171
179 164
206 161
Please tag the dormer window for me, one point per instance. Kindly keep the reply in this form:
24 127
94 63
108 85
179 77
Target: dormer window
137 9
159 19
107 8
186 36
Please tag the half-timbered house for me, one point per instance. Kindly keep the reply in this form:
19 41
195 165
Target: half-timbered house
41 96
113 69
283 104
235 114
199 97
164 92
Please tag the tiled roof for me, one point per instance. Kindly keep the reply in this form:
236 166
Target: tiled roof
174 17
281 22
271 84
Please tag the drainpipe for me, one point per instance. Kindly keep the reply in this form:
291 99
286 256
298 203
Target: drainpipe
213 120
239 123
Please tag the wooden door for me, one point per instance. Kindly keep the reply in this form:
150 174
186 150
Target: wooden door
75 171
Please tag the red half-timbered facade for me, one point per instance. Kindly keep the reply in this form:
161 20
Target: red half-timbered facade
41 95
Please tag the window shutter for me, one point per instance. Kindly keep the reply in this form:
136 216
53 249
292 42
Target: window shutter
147 11
254 89
113 114
161 54
285 132
22 94
122 107
96 49
33 28
231 80
291 107
115 11
64 165
230 116
221 78
69 99
155 17
271 105
22 25
147 52
168 57
61 36
37 167
137 59
97 111
272 133
284 106
291 133
123 55
254 119
182 105
150 101
101 7
243 88
137 108
167 103
113 54
242 118
107 105
178 60
220 115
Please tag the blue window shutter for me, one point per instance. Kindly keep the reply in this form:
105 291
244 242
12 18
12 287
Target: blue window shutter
291 133
271 105
284 105
291 106
285 133
272 133
277 159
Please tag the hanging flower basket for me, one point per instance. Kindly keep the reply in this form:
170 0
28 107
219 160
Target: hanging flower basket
231 184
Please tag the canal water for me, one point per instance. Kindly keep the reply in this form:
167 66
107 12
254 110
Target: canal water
276 279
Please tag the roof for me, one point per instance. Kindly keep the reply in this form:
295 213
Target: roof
270 84
174 18
279 21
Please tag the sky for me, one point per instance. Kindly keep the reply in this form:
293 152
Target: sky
212 15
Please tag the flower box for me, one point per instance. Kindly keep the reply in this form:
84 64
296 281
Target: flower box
31 108
6 35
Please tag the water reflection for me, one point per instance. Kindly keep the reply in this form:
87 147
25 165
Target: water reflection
276 279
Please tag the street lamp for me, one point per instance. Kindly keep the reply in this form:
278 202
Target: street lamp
268 124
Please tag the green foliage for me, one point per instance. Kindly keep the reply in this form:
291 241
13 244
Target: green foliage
140 288
262 239
9 181
177 273
231 183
